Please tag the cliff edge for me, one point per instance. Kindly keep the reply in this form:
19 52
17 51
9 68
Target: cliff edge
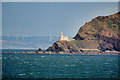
101 33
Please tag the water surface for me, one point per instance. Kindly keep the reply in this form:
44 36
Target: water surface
59 66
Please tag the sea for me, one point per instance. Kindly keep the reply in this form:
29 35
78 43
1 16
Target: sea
58 65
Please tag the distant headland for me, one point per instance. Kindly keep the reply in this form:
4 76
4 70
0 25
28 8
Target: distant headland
100 36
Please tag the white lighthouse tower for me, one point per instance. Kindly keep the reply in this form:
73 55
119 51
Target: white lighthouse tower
63 38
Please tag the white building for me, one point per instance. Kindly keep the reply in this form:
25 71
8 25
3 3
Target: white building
63 38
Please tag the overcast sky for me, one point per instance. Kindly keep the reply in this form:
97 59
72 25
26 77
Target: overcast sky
51 18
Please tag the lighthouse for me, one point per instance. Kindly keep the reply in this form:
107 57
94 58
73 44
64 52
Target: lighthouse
63 38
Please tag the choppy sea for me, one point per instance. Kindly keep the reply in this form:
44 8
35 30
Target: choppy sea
59 66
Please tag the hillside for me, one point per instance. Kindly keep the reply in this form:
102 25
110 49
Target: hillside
104 29
100 33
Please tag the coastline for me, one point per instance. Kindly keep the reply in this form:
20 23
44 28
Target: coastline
80 53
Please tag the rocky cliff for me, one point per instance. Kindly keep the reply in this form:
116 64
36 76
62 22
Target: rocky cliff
102 32
104 29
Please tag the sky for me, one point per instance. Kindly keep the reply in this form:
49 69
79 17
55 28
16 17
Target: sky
51 18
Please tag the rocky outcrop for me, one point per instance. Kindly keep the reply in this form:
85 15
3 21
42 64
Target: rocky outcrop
104 29
102 33
39 49
63 46
74 46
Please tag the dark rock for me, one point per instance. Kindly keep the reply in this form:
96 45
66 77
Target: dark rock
55 48
39 49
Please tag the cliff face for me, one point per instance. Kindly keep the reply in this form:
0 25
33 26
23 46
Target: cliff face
102 32
104 29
